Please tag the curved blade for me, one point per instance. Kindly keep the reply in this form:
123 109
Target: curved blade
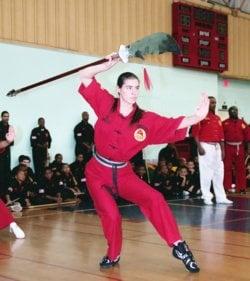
156 43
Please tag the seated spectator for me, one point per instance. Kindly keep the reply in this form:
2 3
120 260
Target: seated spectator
171 168
194 178
24 164
67 183
182 162
248 175
20 189
77 168
161 163
169 154
56 165
162 181
141 171
48 189
180 182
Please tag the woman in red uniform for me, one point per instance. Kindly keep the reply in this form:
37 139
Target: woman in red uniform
123 129
6 219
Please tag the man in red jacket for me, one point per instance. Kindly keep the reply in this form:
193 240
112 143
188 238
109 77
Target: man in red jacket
235 132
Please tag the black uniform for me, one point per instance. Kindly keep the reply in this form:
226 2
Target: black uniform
4 160
84 137
169 154
47 191
39 137
56 167
66 184
21 191
30 173
77 168
163 183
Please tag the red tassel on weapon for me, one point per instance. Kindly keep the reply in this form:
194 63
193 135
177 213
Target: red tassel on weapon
147 82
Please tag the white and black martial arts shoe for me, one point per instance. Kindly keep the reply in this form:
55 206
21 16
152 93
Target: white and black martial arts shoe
17 231
182 252
107 263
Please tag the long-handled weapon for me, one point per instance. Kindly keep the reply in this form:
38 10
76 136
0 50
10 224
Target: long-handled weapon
156 43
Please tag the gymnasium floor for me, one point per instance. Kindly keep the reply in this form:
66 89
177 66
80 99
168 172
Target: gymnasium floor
67 244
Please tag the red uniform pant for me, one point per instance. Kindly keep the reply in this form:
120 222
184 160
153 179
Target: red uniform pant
5 216
234 157
131 188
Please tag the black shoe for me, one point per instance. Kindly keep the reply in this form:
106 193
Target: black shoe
182 252
107 263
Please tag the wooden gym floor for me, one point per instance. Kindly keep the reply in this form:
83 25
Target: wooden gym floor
67 244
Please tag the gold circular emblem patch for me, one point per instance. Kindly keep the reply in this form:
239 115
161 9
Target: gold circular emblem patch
140 135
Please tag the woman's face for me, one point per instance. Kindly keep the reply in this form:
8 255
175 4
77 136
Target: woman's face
129 90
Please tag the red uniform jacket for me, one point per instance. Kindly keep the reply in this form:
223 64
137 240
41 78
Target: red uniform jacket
118 140
209 130
235 130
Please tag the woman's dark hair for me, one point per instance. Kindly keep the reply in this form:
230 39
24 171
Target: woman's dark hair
124 76
120 81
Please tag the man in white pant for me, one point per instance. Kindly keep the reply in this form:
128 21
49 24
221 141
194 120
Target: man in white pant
209 137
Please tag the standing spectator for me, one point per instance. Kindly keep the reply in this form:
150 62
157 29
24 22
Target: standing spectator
235 132
40 141
5 129
84 137
209 137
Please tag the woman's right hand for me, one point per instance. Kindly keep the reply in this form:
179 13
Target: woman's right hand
87 74
112 60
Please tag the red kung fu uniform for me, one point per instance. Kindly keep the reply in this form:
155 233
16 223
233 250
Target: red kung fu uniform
118 140
5 216
235 131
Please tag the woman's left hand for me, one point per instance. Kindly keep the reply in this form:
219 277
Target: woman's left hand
202 108
10 135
